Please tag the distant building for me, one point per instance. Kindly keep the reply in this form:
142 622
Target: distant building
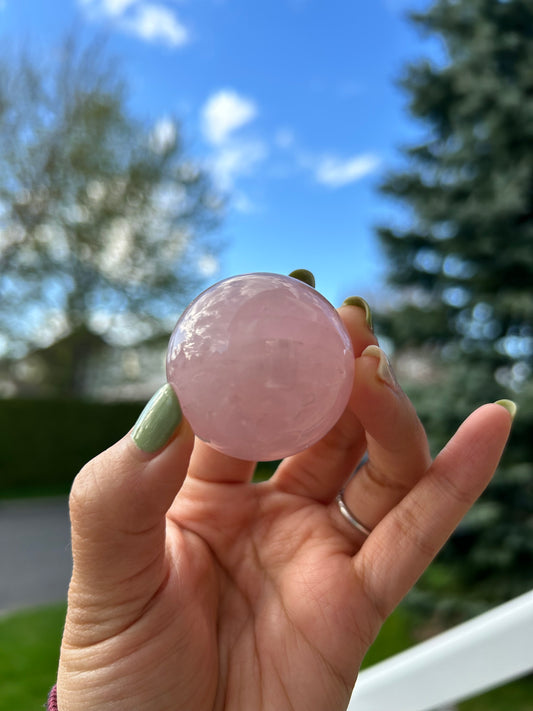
83 365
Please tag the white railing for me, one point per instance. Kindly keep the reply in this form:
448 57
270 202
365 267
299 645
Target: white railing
479 655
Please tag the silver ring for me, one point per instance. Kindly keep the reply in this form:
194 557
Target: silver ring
348 515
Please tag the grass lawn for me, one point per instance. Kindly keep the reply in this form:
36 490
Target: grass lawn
516 696
397 635
29 649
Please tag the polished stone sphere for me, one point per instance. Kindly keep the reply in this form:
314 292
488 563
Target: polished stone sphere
262 366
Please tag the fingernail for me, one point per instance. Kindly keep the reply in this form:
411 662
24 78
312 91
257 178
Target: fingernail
158 421
362 304
384 371
304 275
509 405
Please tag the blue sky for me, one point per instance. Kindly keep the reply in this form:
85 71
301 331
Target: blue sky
291 104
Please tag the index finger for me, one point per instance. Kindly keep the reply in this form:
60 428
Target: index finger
321 470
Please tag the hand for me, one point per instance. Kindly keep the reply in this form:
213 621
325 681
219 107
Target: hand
196 590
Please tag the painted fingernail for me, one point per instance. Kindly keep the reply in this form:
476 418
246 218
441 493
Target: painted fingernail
158 421
509 405
384 371
304 275
362 304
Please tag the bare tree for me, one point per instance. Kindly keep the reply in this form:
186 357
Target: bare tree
102 218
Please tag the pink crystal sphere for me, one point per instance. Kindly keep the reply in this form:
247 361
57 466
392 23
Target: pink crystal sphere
262 366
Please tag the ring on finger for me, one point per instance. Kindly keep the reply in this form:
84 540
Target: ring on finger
348 515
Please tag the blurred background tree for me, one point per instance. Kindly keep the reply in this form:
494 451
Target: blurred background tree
103 219
462 268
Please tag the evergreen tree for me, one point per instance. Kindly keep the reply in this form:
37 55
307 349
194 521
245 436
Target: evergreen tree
102 217
462 267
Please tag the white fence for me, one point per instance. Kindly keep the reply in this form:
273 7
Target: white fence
479 655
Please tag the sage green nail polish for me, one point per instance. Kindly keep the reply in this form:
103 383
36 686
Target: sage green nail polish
158 421
509 405
362 304
304 275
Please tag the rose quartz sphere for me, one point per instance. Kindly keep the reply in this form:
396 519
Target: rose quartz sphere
262 366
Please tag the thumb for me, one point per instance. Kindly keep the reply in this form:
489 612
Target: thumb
118 504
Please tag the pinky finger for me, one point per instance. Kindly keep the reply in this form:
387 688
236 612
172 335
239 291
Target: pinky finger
405 542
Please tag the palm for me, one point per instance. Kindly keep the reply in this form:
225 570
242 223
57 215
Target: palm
268 610
194 589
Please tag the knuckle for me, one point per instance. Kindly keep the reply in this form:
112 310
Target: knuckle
85 491
411 523
378 478
452 490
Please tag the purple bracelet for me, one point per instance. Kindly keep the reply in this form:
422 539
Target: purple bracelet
52 700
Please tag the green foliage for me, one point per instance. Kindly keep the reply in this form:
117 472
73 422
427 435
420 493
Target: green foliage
44 443
396 635
516 695
29 654
403 630
463 270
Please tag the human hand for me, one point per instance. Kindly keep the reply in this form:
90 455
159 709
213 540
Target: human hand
194 589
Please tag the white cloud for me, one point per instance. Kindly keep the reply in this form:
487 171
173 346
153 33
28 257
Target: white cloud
241 202
236 159
284 138
208 265
327 168
233 155
156 23
225 112
115 7
336 172
164 135
150 21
